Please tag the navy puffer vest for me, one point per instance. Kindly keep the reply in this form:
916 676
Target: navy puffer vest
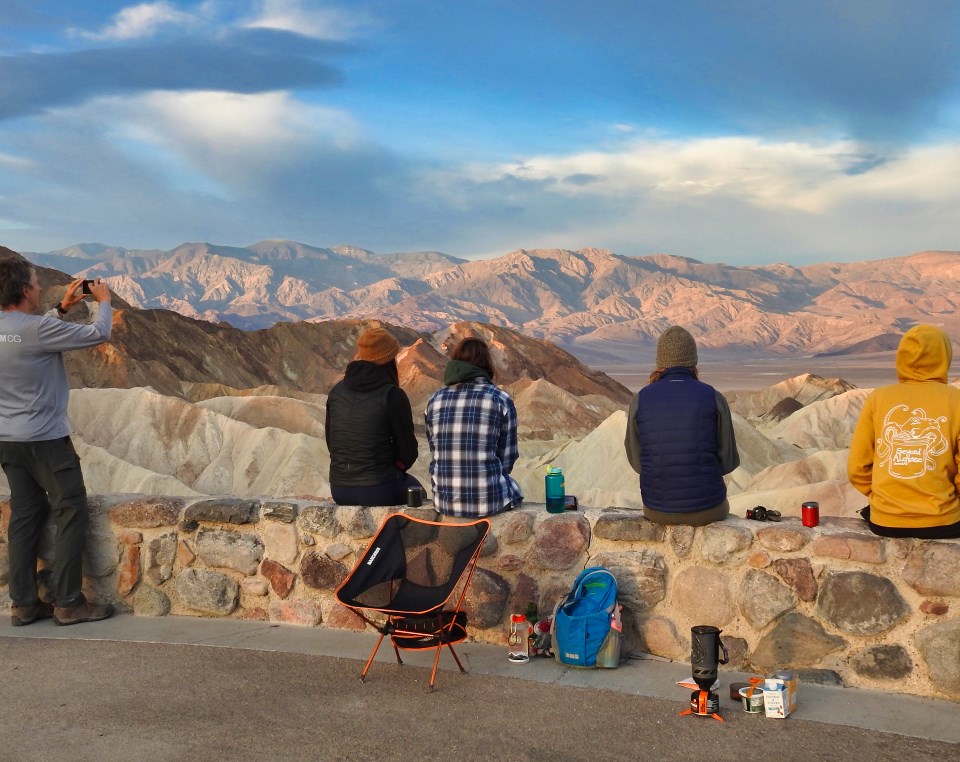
359 435
677 425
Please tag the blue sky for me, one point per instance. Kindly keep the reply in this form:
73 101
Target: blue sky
747 132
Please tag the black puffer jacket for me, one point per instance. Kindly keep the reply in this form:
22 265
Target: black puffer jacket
369 427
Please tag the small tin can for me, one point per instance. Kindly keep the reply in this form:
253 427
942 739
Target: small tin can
414 497
752 699
810 513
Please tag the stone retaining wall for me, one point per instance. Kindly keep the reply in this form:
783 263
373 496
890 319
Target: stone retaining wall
835 603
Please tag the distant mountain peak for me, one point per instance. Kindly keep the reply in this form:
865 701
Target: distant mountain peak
592 300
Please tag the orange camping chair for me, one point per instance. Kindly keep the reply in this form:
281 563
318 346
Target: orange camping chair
410 574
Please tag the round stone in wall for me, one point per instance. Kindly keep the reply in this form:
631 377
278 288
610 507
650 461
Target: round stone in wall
319 519
641 576
939 646
933 568
659 636
321 573
795 641
860 603
762 598
681 539
486 599
516 526
148 601
207 591
886 662
723 544
559 543
703 596
626 526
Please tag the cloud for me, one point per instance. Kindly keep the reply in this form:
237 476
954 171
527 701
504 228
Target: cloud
247 61
320 23
240 130
167 167
874 70
663 127
803 177
144 20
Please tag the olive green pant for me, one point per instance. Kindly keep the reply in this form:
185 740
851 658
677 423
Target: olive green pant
689 518
45 476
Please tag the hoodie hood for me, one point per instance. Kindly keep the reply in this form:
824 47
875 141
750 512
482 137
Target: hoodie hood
924 354
363 376
458 371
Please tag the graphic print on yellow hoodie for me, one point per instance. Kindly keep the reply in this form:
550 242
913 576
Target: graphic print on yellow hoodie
905 449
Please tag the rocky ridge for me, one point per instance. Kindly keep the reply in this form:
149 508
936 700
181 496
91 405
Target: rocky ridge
601 305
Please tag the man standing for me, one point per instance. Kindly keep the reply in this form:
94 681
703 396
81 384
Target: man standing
36 453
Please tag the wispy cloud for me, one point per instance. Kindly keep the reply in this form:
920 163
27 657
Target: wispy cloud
144 20
327 23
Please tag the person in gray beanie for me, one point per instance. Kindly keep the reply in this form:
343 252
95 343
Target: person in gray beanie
680 438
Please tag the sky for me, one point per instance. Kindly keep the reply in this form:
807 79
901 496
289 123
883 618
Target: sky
739 131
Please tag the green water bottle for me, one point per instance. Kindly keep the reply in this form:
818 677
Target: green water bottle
554 488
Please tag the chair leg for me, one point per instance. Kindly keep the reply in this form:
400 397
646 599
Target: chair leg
455 657
373 653
436 661
397 652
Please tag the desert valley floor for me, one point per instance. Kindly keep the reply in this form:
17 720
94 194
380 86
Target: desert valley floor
866 371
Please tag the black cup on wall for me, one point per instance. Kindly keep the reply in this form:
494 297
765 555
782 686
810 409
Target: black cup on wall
705 648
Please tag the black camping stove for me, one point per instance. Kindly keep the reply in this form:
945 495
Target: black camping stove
705 648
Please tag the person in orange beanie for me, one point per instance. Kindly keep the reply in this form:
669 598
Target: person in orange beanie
369 427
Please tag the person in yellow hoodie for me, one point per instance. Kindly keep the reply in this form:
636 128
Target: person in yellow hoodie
905 451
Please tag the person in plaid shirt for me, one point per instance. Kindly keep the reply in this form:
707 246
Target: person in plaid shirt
472 433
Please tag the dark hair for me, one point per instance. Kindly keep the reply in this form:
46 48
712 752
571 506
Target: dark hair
476 352
655 376
15 277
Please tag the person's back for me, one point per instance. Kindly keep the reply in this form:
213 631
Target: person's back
369 427
677 428
358 437
680 438
472 432
905 450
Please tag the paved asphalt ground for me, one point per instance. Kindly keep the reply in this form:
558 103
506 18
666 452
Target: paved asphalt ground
178 688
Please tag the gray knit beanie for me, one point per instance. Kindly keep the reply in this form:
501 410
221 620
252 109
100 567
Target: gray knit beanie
676 347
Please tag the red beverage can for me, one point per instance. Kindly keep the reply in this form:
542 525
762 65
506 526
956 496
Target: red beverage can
810 513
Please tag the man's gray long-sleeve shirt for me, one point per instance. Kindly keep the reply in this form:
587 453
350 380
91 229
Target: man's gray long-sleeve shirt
33 379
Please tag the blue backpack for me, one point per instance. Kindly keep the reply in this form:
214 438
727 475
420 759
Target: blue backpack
581 621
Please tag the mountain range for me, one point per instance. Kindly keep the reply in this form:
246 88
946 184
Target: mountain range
180 406
599 305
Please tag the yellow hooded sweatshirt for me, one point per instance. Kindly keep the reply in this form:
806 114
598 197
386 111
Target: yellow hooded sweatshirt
905 452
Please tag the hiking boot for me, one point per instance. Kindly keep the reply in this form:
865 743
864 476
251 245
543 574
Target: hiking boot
21 615
82 612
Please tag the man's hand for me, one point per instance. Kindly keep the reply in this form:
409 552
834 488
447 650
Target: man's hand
73 295
100 291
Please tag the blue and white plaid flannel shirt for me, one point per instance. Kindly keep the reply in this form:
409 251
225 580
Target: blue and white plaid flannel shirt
472 432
